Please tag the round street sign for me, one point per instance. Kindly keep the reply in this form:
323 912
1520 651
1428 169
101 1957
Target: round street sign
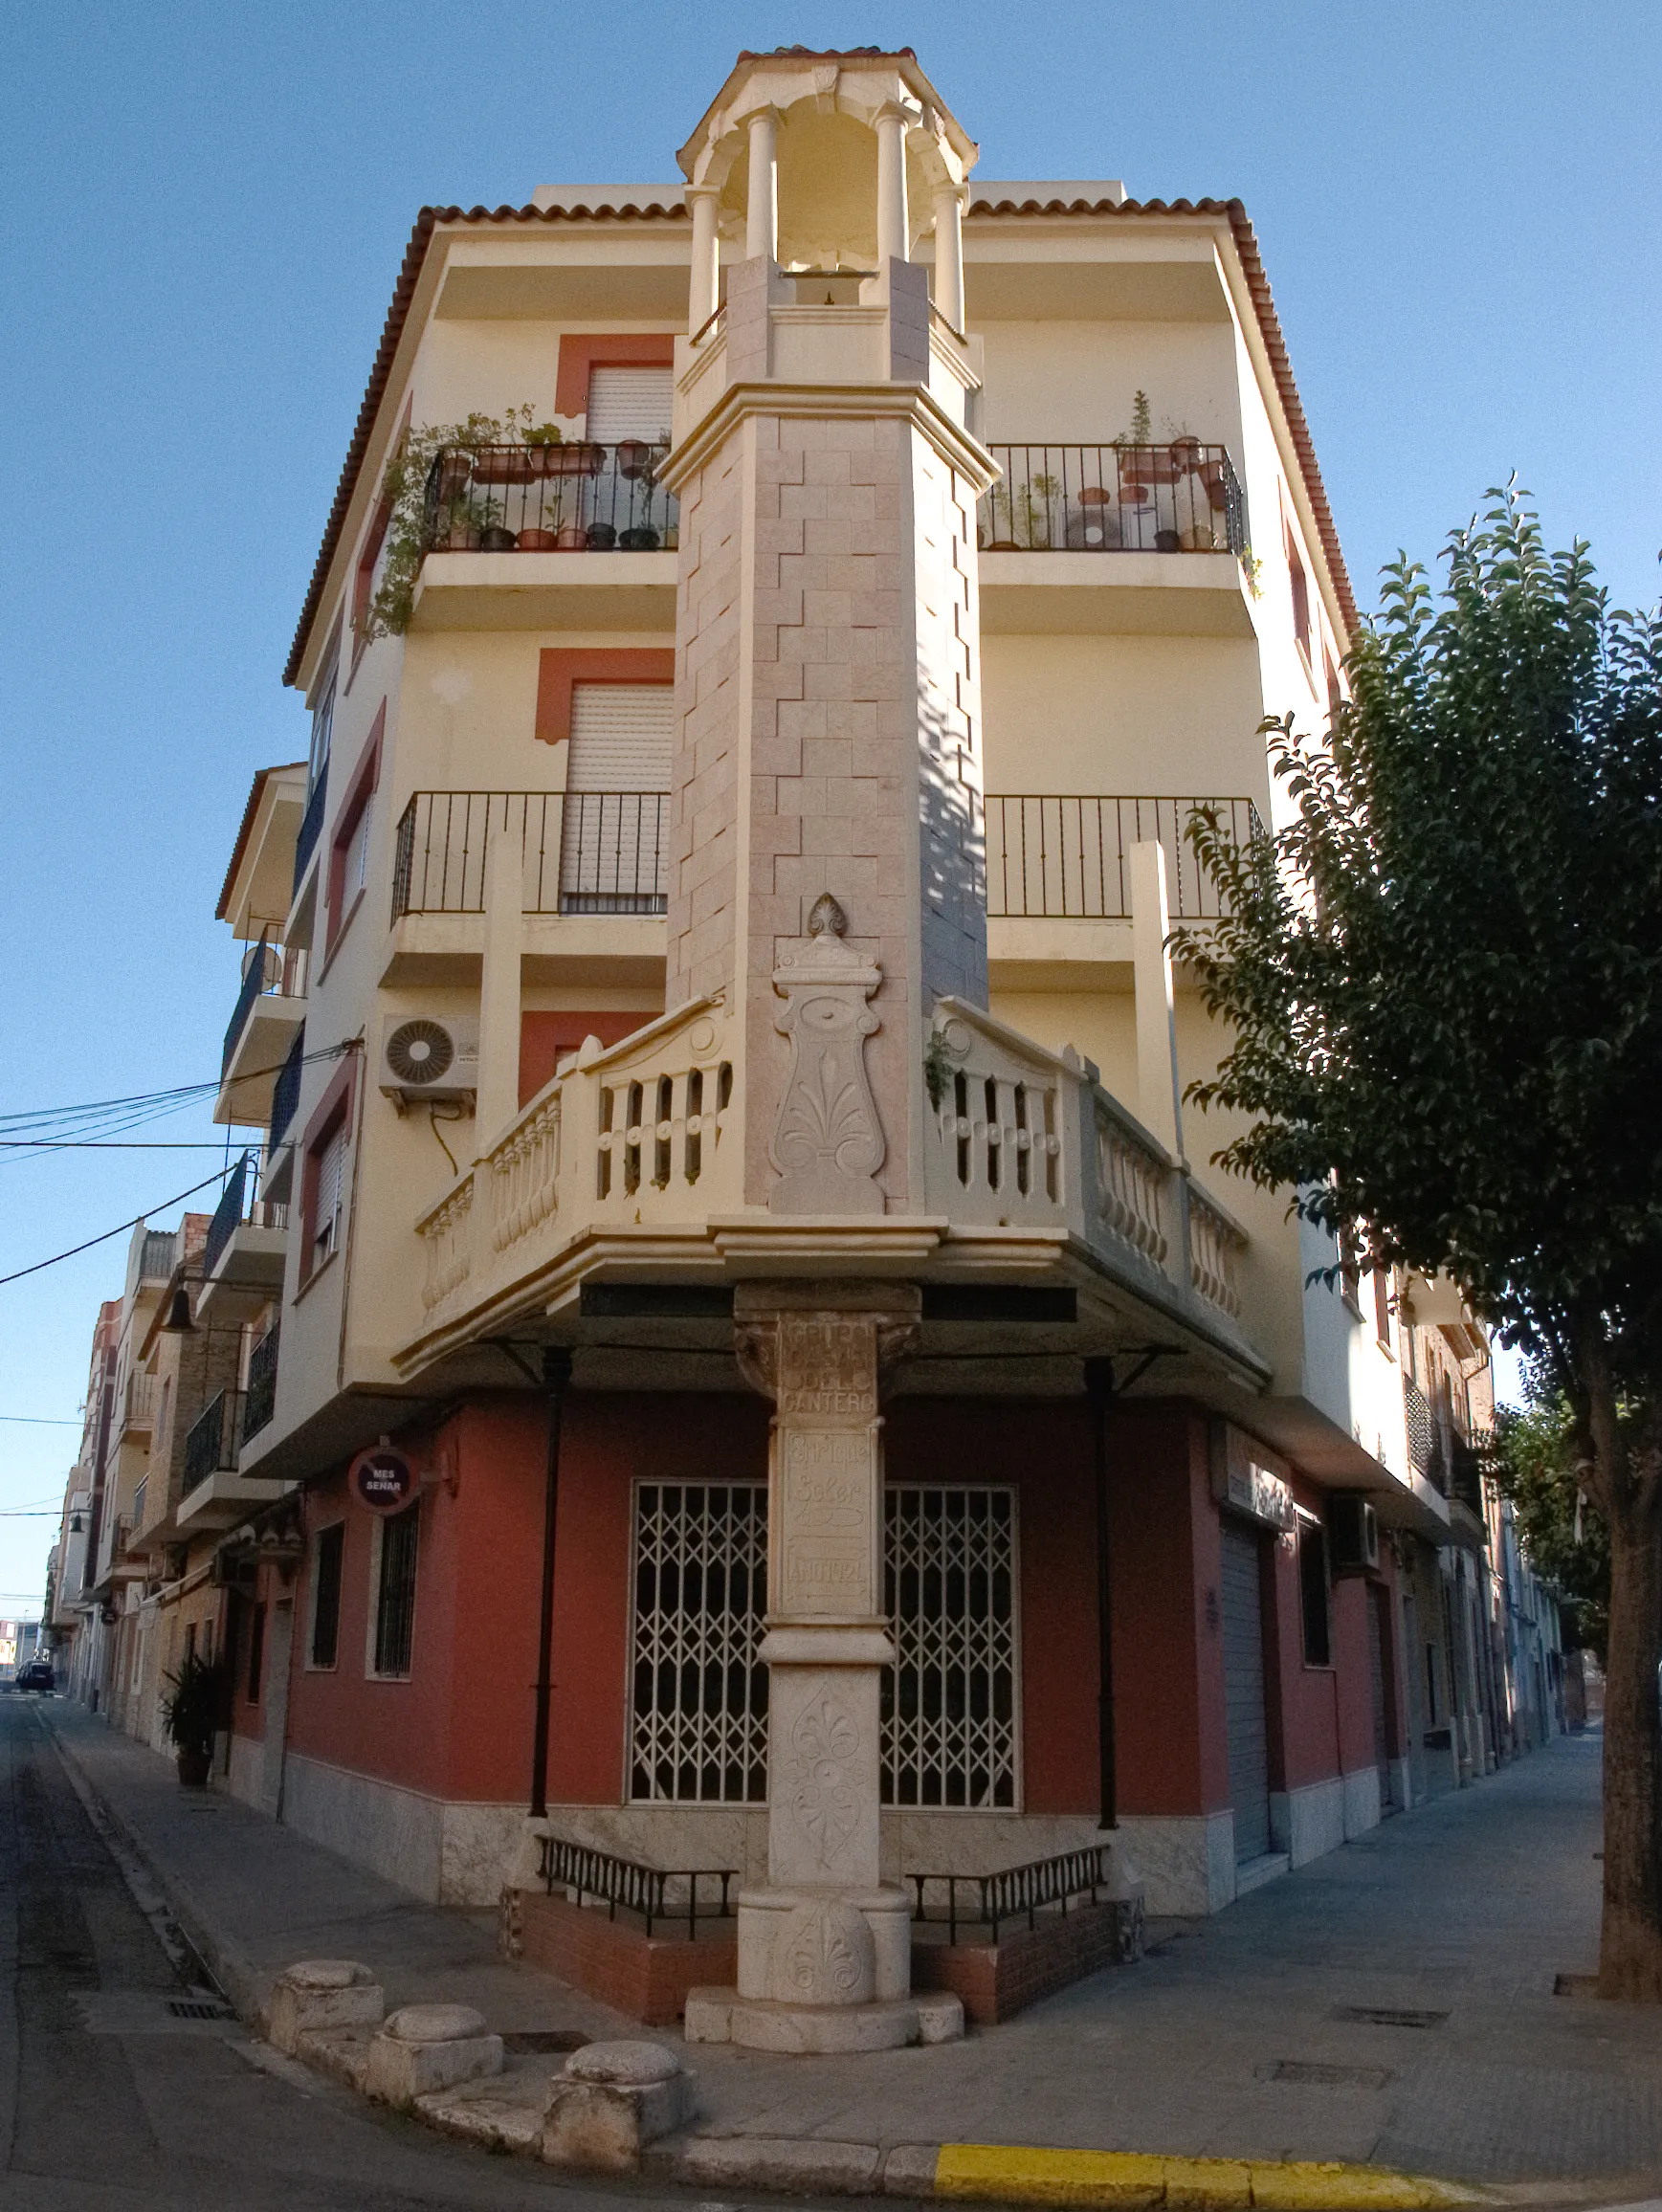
381 1478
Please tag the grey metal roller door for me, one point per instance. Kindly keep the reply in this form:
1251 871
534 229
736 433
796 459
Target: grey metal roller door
1248 1746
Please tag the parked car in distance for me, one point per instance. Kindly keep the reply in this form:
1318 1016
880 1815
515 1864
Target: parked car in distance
35 1674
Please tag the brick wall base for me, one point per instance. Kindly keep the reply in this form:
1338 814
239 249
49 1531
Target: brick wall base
648 1976
996 1980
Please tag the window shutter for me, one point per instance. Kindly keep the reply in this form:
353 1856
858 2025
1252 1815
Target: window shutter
616 806
330 1170
629 402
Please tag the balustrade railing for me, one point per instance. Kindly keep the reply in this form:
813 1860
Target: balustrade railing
550 498
1180 498
582 852
1057 855
1216 1244
213 1439
652 1892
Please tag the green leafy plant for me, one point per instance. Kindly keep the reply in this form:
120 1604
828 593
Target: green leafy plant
1442 985
1252 570
411 527
939 1068
1533 1463
190 1713
1142 430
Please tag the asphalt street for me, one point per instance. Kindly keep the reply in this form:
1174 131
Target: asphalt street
112 2101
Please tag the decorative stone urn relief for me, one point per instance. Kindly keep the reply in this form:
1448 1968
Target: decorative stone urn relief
827 1143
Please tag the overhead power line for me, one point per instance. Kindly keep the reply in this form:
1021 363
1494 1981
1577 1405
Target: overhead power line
108 1116
42 1420
110 1144
17 1275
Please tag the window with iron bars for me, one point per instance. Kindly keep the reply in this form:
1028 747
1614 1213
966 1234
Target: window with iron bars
950 1705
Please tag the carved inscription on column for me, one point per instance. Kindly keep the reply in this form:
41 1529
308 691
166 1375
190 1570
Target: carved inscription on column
827 1477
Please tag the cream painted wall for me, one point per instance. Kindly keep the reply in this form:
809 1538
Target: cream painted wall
1073 383
1166 716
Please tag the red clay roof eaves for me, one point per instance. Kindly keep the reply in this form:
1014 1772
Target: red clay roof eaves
244 830
1269 325
381 369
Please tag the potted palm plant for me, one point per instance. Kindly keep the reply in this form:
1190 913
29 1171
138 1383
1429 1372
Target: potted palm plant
191 1714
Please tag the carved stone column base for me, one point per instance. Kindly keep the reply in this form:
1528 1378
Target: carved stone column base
811 2031
824 1947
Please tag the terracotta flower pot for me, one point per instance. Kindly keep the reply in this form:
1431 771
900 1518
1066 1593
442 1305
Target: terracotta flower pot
538 541
633 457
547 460
1095 496
194 1768
573 538
502 466
461 538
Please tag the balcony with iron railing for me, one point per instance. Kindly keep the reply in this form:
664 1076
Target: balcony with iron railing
245 1248
1052 856
1182 497
260 1399
583 852
285 1096
575 498
216 1495
270 1007
311 826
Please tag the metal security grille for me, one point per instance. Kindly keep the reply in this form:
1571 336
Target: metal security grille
698 1727
951 1703
395 1596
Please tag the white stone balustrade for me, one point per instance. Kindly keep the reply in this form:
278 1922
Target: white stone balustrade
444 1230
525 1171
1217 1244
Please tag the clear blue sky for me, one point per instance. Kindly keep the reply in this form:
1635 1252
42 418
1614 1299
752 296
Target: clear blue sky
207 205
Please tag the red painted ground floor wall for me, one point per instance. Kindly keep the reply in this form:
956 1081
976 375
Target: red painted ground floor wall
459 1726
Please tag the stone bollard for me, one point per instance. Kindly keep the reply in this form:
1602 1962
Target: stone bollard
319 1993
424 2047
613 2099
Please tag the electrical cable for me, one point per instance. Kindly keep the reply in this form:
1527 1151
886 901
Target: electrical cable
145 1105
41 1420
108 1144
18 1274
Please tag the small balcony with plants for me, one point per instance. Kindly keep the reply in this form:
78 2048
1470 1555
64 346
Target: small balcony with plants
270 1009
491 503
1165 509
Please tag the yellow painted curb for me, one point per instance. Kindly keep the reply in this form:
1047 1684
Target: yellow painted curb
1010 2174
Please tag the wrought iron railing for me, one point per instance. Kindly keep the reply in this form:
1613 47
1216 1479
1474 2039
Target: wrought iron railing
1465 1474
211 1445
261 1397
1057 855
555 499
240 1206
1181 497
311 825
285 1094
269 971
652 1892
584 852
1017 1892
1425 1446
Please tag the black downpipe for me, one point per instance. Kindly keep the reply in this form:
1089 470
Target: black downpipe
1099 1392
556 1375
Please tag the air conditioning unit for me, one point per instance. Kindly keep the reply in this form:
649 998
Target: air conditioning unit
1352 1535
430 1056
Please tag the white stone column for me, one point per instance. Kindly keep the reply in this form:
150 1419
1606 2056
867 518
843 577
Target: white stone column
762 221
705 285
504 892
949 253
1159 1087
894 233
824 1948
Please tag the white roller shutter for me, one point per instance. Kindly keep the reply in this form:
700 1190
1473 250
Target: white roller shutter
629 402
617 798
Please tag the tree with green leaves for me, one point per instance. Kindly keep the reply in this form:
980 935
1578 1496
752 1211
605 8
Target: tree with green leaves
1443 988
1534 1463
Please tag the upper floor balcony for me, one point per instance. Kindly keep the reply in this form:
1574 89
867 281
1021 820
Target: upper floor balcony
506 520
1165 512
269 1006
245 1250
215 1495
594 879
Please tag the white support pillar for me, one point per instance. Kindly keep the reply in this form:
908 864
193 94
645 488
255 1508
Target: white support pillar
893 232
499 1092
705 286
1159 1086
949 253
762 222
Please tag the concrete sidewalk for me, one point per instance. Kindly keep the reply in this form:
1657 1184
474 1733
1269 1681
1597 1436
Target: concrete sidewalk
1241 2037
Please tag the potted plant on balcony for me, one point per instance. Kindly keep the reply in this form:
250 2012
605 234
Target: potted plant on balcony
191 1714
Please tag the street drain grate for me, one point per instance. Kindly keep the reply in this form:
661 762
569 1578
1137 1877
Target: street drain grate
531 2039
1387 2016
198 2008
1575 1986
1306 2075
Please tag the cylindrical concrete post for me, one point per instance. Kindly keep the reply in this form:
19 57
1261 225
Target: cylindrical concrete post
949 253
705 283
762 222
894 236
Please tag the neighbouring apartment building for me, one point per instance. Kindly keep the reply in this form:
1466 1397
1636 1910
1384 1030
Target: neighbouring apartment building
727 1348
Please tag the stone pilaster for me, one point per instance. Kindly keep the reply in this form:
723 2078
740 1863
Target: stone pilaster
824 1948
